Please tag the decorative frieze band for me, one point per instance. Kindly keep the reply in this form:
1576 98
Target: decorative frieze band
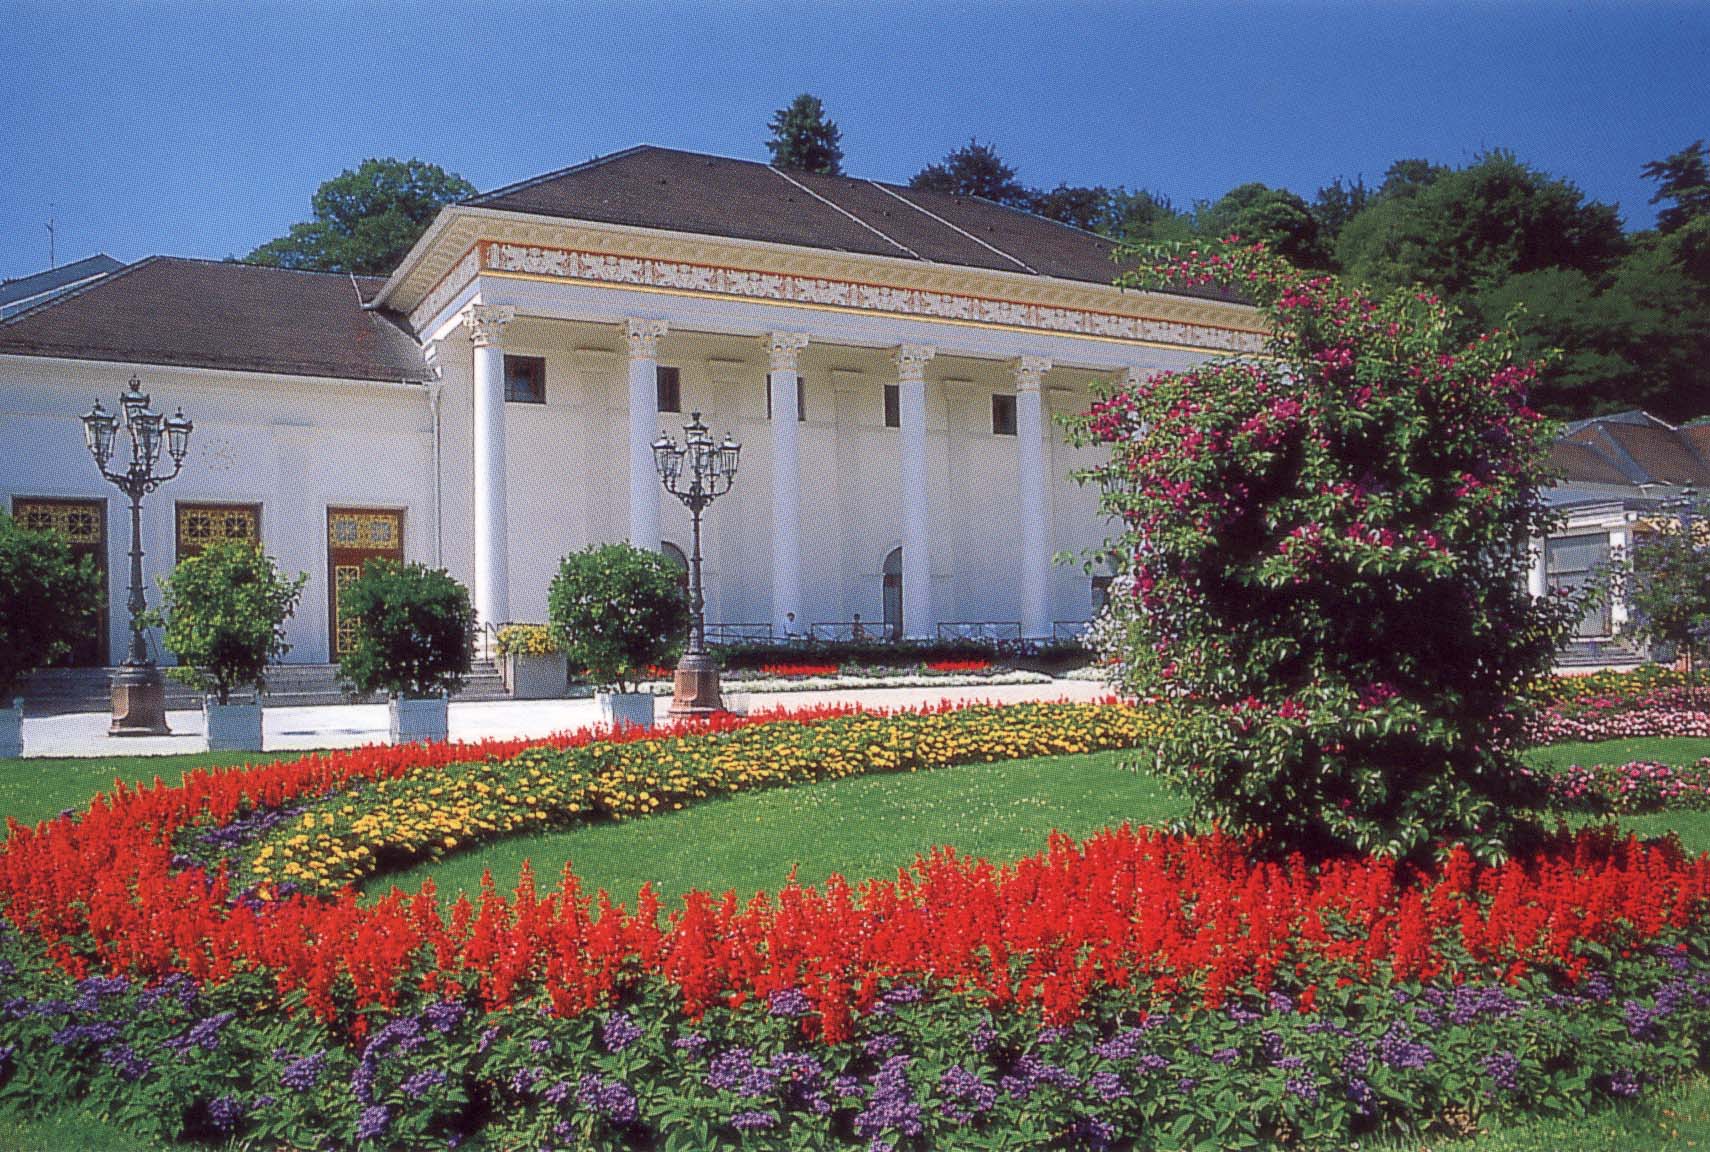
600 268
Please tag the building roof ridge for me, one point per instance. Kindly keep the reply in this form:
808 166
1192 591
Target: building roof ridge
77 292
581 166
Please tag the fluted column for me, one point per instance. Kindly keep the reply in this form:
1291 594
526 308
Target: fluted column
918 620
782 350
1537 570
642 337
1035 524
486 323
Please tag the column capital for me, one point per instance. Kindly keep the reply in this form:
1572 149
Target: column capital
1029 370
642 336
782 348
911 361
486 322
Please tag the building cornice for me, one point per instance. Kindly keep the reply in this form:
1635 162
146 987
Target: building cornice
462 241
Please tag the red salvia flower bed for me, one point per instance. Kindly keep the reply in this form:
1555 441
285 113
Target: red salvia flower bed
1125 907
799 669
959 665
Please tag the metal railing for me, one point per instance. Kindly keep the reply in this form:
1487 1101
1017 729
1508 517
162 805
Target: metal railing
1069 631
982 631
727 634
849 632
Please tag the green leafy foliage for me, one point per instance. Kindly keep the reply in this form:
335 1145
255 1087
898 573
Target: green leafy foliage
1325 552
618 610
1285 222
45 598
1667 582
413 625
224 611
366 218
975 169
804 139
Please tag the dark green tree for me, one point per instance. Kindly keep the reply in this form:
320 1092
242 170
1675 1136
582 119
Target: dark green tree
1277 216
1336 204
45 597
224 610
1668 585
1142 217
1463 231
413 627
974 170
804 140
616 611
366 218
1088 209
1683 184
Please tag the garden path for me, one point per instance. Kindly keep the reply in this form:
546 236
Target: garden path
350 725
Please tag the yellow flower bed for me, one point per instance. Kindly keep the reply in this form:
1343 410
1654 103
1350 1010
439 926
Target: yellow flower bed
433 811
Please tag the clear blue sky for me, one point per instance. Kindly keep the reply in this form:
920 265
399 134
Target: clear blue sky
202 129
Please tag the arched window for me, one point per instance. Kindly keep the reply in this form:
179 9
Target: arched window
893 594
678 560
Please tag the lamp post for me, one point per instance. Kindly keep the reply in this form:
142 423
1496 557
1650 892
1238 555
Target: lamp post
139 692
697 472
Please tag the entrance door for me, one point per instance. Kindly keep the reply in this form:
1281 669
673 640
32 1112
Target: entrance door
893 595
354 537
83 525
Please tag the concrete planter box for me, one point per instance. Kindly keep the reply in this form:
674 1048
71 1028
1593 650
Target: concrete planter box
234 727
12 730
418 721
625 709
536 677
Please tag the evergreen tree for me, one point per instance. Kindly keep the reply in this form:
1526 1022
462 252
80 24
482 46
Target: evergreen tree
804 140
975 170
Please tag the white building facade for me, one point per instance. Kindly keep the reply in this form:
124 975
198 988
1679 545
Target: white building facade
892 363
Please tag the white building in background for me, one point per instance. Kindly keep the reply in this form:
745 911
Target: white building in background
891 361
1618 477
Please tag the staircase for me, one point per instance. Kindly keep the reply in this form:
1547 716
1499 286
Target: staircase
1619 652
56 691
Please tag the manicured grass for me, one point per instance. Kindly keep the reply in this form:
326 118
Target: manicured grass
38 787
860 827
1667 749
1674 1118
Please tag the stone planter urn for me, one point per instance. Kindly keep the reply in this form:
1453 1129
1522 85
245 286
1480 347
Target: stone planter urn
625 709
419 720
234 727
12 730
536 677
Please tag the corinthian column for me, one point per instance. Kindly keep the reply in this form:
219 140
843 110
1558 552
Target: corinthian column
918 620
642 336
486 324
782 349
1035 525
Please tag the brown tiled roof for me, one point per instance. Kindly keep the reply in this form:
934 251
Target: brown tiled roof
650 187
208 314
1584 464
1633 448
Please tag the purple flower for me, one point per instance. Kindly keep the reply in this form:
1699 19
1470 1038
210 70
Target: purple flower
417 1086
1124 1045
966 1095
880 1043
1624 1084
1471 1001
610 1098
94 1032
1598 987
892 1106
753 1121
91 990
558 1093
126 1062
1031 1073
1361 1096
790 1002
1280 1003
444 1015
1152 1062
1226 1056
1503 1069
848 1087
1187 1084
691 1042
982 1037
301 1074
619 1032
1400 1051
226 1113
205 1034
1641 1021
1242 1015
1304 1087
1050 1034
523 1079
485 1041
540 1045
373 1122
1106 1086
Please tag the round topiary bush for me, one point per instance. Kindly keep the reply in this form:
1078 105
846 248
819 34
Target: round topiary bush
413 628
224 611
618 610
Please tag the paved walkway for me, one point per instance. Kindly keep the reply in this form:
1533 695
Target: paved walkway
350 725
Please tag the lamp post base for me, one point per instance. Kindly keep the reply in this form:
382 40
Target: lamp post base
139 702
696 687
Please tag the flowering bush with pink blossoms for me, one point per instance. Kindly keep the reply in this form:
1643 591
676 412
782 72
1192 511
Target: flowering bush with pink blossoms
1619 716
1639 786
1325 546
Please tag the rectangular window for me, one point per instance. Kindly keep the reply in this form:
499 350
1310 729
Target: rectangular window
1003 414
801 399
200 525
525 379
1578 562
670 389
893 406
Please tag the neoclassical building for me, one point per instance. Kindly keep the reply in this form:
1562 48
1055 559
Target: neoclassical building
890 360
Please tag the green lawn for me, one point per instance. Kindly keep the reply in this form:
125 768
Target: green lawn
869 827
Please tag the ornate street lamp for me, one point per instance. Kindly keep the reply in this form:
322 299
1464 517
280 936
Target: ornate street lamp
139 692
697 472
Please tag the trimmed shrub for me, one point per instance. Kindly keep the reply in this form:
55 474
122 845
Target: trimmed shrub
224 611
413 625
45 597
618 611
